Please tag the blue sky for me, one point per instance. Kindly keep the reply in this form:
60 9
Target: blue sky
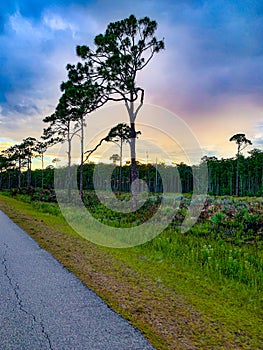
211 73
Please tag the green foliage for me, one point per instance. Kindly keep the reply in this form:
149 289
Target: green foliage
221 179
218 219
50 208
125 48
32 194
241 141
224 244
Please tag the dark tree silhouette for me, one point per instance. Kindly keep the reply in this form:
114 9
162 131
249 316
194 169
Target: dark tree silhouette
120 134
40 148
4 164
28 145
22 155
84 95
63 126
125 49
242 142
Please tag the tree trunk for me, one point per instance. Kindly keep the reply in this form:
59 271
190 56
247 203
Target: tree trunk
120 180
134 173
19 173
42 170
9 180
237 173
28 172
81 158
69 165
237 177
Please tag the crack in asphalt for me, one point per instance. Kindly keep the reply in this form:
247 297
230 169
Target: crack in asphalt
15 288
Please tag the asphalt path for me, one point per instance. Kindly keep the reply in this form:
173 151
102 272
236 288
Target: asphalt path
44 306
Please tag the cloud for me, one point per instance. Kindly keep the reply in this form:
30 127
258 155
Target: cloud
5 143
34 52
212 50
56 22
258 136
212 54
32 65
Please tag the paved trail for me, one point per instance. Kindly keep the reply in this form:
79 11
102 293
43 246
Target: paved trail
44 306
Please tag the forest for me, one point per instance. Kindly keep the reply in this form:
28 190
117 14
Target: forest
221 175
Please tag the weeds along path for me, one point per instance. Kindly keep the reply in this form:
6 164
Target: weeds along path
173 307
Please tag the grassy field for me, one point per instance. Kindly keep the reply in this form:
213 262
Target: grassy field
200 290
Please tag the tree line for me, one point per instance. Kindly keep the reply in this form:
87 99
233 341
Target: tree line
222 175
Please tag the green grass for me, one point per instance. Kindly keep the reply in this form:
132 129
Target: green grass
213 258
210 285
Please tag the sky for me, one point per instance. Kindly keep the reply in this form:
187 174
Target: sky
210 73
